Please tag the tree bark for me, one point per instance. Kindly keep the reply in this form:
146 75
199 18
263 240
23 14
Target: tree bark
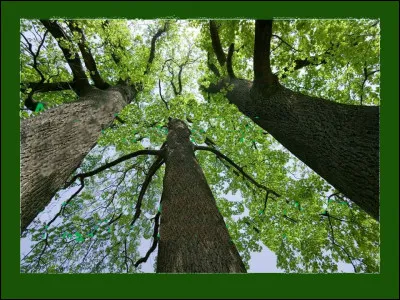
193 234
339 142
54 143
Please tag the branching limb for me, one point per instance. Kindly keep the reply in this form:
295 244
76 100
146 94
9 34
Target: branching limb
61 211
366 75
301 63
113 220
339 246
315 60
337 195
171 72
119 120
87 56
104 257
46 244
153 47
33 248
153 169
212 67
211 144
248 177
161 96
229 61
333 217
35 55
290 219
216 43
113 163
29 102
266 200
284 42
46 86
262 47
126 257
155 241
250 225
115 58
73 60
122 179
180 79
88 250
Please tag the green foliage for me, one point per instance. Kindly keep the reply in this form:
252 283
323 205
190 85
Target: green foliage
307 243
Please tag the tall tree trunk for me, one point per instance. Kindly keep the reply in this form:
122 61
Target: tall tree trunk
54 143
193 234
339 142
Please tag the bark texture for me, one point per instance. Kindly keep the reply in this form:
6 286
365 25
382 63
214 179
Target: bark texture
54 143
193 234
339 142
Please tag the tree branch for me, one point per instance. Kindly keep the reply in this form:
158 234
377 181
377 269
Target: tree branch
73 60
155 241
153 169
126 256
113 163
119 120
180 79
262 47
61 211
105 256
301 63
161 96
153 47
115 58
229 61
340 247
249 224
265 202
212 67
216 43
366 75
248 177
211 144
290 219
286 43
88 57
46 244
29 102
35 55
47 86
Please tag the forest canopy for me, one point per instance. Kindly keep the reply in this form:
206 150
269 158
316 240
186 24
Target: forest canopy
92 224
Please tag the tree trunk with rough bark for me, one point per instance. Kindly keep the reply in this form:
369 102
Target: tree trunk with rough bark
54 143
193 234
339 142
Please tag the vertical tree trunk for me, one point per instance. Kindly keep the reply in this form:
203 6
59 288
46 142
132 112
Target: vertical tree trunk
193 234
339 142
54 143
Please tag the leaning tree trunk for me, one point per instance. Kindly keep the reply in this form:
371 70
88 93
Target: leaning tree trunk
339 142
193 234
54 143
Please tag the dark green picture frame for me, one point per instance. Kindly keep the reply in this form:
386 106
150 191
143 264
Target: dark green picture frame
118 286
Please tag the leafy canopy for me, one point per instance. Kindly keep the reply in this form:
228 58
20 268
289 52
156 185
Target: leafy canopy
295 226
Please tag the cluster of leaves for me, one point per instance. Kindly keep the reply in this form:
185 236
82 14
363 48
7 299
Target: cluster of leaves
293 226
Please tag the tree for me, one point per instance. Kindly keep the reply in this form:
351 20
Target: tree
54 143
115 192
338 141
